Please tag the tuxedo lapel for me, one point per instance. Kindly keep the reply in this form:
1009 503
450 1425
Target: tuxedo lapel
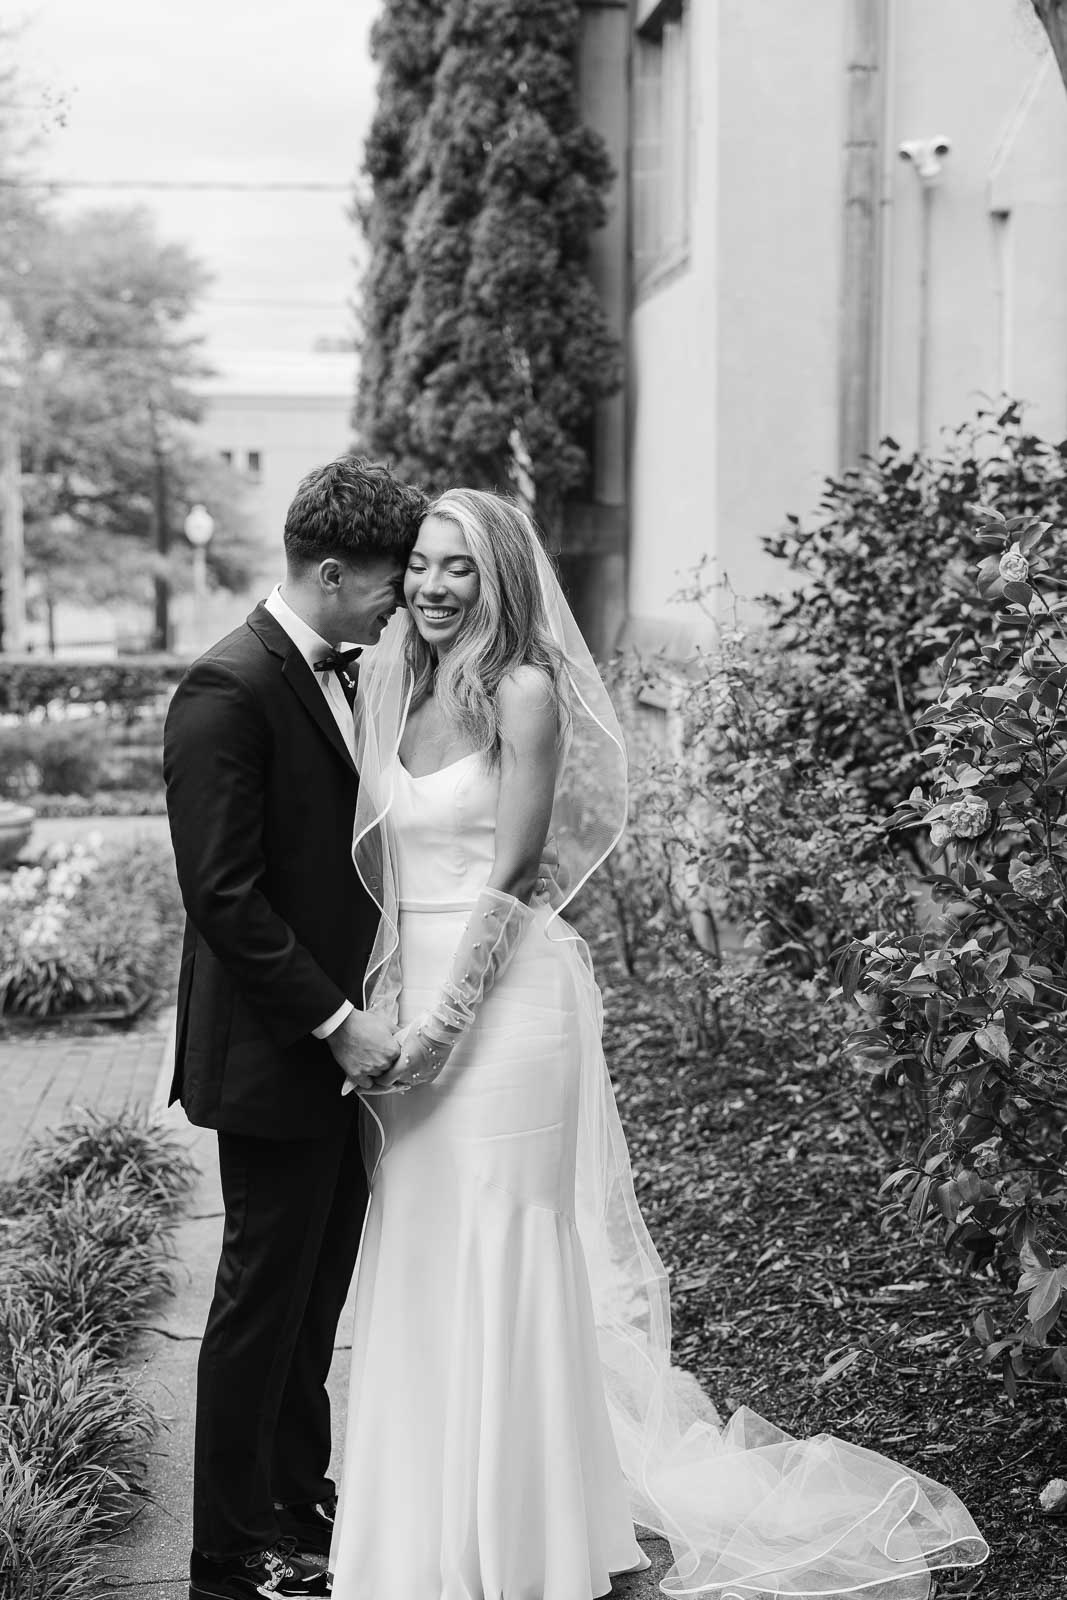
300 678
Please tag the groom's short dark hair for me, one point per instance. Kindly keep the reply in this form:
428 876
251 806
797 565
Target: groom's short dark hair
352 509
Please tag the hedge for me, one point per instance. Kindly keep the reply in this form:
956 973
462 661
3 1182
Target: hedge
35 683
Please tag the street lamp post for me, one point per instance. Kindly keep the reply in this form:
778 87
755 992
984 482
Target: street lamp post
199 526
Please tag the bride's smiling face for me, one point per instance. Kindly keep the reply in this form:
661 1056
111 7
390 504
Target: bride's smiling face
441 584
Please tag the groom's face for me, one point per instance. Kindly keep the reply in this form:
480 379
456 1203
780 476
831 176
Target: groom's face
367 595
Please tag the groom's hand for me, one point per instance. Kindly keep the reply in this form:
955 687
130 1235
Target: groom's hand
364 1047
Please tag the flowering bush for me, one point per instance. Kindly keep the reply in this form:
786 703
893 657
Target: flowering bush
82 756
972 1011
85 929
748 860
884 585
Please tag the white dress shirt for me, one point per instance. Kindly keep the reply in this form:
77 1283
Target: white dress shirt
313 647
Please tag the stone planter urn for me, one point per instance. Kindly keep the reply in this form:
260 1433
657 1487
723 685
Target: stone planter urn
16 823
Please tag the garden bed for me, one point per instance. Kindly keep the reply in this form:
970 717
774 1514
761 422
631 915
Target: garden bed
84 762
795 1293
83 1256
89 931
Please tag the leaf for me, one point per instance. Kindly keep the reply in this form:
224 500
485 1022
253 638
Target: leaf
993 1041
986 513
836 1368
948 660
970 777
948 1199
1029 538
955 1048
1045 1297
970 1186
1034 1258
984 1331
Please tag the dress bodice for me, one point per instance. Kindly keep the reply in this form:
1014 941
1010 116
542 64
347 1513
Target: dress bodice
444 824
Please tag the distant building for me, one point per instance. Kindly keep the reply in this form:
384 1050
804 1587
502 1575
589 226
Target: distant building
789 286
271 416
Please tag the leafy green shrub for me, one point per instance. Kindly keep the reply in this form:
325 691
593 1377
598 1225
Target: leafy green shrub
134 768
33 683
884 587
72 1417
81 1257
98 1151
90 1261
79 757
738 831
86 928
972 1010
44 1551
63 758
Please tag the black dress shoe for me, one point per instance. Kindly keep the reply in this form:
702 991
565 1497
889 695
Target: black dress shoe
274 1573
309 1525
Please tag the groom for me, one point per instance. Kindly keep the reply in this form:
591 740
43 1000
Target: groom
261 794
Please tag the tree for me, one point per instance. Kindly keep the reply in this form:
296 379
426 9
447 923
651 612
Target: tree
403 42
486 344
1053 18
108 414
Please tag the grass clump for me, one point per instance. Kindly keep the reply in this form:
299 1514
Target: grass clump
83 1255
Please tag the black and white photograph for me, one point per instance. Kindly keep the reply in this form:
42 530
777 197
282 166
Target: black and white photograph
533 799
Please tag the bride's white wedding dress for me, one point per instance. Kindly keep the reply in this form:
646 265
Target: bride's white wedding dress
493 1450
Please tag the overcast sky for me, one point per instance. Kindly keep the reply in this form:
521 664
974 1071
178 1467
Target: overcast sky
252 91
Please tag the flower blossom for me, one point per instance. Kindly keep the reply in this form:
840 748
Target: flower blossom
968 818
1036 883
1014 567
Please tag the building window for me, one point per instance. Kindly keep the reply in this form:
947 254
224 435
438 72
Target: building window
662 154
227 456
255 463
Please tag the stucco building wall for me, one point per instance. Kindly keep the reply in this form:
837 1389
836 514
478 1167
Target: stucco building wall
741 351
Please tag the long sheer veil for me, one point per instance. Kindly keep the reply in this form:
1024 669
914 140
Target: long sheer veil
748 1510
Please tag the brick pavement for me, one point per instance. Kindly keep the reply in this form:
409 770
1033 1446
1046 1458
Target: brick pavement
43 1082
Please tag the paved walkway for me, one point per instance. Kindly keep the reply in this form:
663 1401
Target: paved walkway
44 1082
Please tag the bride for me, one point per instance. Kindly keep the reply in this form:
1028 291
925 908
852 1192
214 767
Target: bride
513 1411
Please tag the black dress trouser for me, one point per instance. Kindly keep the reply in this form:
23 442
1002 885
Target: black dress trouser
294 1215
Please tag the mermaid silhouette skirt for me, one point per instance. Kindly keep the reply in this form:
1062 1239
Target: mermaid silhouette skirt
480 1460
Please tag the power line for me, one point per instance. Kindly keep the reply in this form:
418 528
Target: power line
201 185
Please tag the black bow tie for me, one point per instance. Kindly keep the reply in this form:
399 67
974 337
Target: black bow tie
338 661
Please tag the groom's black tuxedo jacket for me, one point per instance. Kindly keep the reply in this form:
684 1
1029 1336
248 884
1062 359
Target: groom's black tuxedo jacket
261 794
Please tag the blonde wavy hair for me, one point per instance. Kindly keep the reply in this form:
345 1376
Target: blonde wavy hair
508 626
